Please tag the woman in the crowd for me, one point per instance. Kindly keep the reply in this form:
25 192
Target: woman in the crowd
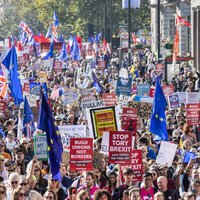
84 195
13 183
50 195
104 171
2 192
18 194
188 134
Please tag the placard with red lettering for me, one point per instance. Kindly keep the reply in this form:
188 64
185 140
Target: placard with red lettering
110 99
192 114
57 66
168 90
151 92
173 102
120 145
26 88
136 165
129 119
81 154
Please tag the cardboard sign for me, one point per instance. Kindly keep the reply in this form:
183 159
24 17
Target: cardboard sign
40 147
129 119
57 66
193 114
120 145
192 97
93 104
102 119
71 131
143 89
136 165
166 153
168 90
144 109
81 154
173 102
109 99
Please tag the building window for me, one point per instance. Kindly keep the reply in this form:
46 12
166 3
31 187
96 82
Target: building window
188 36
171 29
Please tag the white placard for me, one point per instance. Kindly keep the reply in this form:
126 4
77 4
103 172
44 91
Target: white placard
105 143
40 146
192 97
181 97
166 153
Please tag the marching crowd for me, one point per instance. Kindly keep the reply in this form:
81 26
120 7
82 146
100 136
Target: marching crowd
23 177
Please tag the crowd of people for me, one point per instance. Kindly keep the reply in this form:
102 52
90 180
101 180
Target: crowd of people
24 177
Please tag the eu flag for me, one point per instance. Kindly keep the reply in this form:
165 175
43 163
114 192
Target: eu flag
35 89
63 54
188 156
28 120
47 124
158 119
75 50
10 62
50 53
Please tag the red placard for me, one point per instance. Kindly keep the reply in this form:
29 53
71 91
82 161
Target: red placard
58 66
81 154
26 87
151 92
193 114
136 165
129 119
168 90
110 99
120 145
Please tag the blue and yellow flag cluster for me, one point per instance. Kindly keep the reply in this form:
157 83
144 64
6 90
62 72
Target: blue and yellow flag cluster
158 120
35 89
47 124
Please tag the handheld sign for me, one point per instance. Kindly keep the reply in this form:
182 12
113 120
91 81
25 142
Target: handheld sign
40 147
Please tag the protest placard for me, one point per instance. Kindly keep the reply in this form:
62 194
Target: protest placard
71 131
26 88
192 111
143 89
124 86
97 159
81 154
105 143
168 90
35 89
166 153
144 109
120 146
40 147
136 165
57 66
70 96
129 119
93 104
192 97
173 102
109 99
181 97
151 91
100 120
42 76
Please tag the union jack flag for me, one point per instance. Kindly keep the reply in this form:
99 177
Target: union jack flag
55 26
25 28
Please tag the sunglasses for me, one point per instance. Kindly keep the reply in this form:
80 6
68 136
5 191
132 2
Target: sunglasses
14 182
51 198
53 180
2 192
36 170
21 194
25 142
24 184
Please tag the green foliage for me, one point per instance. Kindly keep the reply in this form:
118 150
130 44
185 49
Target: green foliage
74 16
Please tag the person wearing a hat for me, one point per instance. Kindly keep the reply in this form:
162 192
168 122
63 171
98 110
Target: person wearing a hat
147 191
195 187
11 142
3 152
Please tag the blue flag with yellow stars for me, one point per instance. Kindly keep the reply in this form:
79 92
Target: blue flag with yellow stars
35 89
28 120
158 120
46 123
10 62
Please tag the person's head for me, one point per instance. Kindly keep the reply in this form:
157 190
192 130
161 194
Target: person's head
187 129
189 196
134 194
102 195
72 192
71 173
143 141
53 183
2 162
50 195
19 155
163 170
24 142
162 183
187 144
2 192
2 146
125 195
147 180
31 143
128 175
195 186
84 195
123 75
159 196
37 171
154 172
11 135
18 194
112 178
144 151
14 180
89 179
24 183
103 163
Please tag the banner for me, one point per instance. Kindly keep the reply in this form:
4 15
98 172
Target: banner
192 111
120 145
71 131
81 154
109 99
70 96
129 119
168 90
102 119
173 102
136 165
166 153
40 147
93 104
